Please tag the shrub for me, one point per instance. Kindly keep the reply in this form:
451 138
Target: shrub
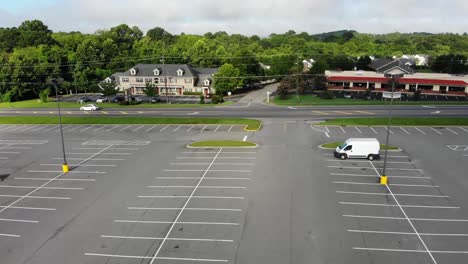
8 97
193 93
326 95
44 95
215 99
202 99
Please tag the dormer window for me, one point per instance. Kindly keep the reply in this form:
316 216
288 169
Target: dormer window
133 71
180 72
156 72
206 82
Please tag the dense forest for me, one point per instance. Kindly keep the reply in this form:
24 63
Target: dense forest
32 54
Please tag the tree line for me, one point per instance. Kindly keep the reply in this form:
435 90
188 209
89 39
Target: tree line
32 54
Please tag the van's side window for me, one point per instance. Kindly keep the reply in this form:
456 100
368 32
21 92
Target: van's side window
348 147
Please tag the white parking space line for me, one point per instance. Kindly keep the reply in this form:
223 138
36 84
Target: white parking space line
233 164
403 218
107 153
3 158
203 129
373 176
63 128
112 128
35 187
356 183
328 130
37 129
151 128
188 130
36 197
125 128
404 130
164 128
391 132
51 128
138 128
170 238
71 172
365 161
27 208
360 132
438 132
424 133
9 235
86 148
74 128
225 152
99 128
216 130
342 129
161 258
392 250
406 233
347 167
96 159
401 205
15 147
399 194
46 179
3 128
191 209
243 171
230 128
18 220
451 131
464 129
169 222
375 131
203 187
194 197
415 185
207 178
83 165
218 157
9 152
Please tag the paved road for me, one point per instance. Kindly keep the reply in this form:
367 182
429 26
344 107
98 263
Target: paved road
265 111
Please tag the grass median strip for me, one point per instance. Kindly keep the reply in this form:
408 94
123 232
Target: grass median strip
221 144
333 145
250 124
396 122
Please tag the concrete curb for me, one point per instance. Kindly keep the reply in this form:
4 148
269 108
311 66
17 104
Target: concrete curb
253 130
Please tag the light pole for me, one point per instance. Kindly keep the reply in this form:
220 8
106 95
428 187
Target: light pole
65 167
394 78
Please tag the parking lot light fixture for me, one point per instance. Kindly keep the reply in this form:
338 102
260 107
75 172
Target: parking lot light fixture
394 78
65 167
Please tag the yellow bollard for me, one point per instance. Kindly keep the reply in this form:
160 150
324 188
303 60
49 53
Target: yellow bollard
383 180
65 168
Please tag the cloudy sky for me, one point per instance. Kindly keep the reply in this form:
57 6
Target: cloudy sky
249 17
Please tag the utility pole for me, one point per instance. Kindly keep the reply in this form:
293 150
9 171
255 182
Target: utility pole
165 79
297 78
65 167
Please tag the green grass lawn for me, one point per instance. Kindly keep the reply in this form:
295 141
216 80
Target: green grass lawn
333 145
399 121
222 143
310 100
35 104
251 124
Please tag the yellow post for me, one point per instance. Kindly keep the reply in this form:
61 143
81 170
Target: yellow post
383 180
65 168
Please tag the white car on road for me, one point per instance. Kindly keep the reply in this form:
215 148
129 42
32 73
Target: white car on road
90 107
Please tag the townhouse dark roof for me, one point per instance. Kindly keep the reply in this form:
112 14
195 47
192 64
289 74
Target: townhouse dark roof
116 77
204 74
384 65
171 70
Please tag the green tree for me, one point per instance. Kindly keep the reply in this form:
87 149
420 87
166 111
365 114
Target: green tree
227 79
108 88
33 33
150 89
44 95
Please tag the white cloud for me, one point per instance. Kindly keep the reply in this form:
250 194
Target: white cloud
260 17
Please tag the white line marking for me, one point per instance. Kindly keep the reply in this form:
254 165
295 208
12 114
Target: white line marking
395 250
99 128
245 171
424 133
225 152
360 132
218 157
232 164
405 233
9 235
170 238
138 128
125 128
245 138
207 178
391 132
175 222
194 209
18 220
46 179
84 129
415 185
399 169
36 197
451 131
71 172
107 153
146 257
405 130
229 130
375 131
203 129
406 216
197 197
188 130
438 132
177 128
97 159
364 161
110 129
216 130
356 183
206 187
328 130
373 176
27 208
398 205
35 187
3 158
400 194
342 129
403 218
83 165
45 184
75 127
9 152
164 128
151 128
463 129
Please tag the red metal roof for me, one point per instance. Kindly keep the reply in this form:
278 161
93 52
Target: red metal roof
402 80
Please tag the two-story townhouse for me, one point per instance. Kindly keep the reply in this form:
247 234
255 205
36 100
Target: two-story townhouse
170 79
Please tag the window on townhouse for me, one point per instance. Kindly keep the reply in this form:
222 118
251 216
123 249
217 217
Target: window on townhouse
173 80
148 80
125 80
188 80
156 80
139 80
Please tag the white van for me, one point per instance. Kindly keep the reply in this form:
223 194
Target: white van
367 148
